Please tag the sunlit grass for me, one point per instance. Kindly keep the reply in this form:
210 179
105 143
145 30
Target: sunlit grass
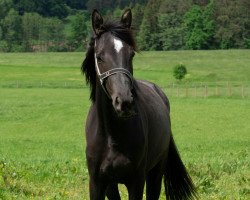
42 141
42 144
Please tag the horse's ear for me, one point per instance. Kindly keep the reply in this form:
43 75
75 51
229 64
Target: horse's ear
97 22
126 19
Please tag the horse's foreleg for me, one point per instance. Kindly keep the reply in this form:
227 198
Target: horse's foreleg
135 188
96 190
112 192
153 182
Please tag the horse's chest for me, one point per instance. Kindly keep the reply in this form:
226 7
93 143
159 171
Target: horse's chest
116 165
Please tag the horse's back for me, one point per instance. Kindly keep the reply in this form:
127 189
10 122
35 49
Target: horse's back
156 106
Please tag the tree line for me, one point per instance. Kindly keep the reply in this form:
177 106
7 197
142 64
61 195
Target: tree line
64 25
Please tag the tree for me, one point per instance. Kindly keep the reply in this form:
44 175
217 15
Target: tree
79 30
31 28
12 29
180 71
107 5
171 31
138 12
159 24
102 5
148 34
23 6
117 13
195 38
57 8
48 8
232 23
209 23
51 35
179 7
199 27
77 4
170 22
1 33
5 6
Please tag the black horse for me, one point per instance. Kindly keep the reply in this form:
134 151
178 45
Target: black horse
128 128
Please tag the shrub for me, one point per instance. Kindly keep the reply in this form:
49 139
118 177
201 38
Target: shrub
180 71
4 47
17 48
58 48
247 43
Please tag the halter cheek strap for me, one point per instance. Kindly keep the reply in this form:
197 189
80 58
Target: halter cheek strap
106 74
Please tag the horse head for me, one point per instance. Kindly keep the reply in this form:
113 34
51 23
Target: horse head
114 50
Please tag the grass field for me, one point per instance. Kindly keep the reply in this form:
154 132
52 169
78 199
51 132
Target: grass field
42 140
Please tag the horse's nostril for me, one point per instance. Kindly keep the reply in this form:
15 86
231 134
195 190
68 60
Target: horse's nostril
123 104
132 99
117 104
117 100
127 105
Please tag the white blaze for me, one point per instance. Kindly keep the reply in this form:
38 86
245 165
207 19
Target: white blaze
118 45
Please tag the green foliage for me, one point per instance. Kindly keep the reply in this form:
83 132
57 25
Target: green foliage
180 71
31 23
247 43
159 24
79 30
4 47
148 35
170 22
17 48
171 31
117 13
108 5
76 4
209 23
138 12
1 33
5 6
57 47
145 38
48 8
23 6
54 27
232 23
199 27
56 8
12 29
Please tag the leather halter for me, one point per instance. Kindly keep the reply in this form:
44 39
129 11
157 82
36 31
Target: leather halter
106 74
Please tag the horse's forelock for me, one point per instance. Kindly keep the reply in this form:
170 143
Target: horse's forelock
117 29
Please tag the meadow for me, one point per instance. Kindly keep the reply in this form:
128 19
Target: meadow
42 139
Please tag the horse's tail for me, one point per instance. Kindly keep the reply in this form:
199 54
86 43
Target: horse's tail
178 183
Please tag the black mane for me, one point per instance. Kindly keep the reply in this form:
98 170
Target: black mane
88 66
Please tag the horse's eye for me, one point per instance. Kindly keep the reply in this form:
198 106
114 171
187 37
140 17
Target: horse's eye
99 60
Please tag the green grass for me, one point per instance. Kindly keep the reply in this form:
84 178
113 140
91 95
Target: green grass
208 66
43 143
42 140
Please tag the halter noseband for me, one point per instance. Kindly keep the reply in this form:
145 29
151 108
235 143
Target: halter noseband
106 74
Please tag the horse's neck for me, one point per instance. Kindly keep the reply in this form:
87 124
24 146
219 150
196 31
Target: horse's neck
105 111
109 122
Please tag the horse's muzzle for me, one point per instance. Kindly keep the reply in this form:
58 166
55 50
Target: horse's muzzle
124 107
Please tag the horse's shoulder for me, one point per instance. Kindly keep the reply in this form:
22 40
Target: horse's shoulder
157 89
146 83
